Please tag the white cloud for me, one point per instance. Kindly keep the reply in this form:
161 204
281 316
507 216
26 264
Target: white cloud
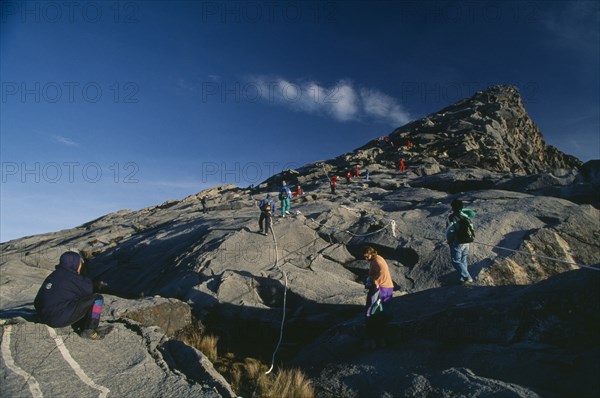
341 101
65 141
383 106
344 102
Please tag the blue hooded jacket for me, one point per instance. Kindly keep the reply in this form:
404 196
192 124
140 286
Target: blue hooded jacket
62 290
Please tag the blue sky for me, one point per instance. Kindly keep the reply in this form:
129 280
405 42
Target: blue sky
122 105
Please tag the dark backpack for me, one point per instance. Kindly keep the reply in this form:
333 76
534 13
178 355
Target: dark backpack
283 194
464 231
266 206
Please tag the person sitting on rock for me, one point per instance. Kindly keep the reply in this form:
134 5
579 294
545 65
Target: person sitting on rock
67 298
267 208
458 239
380 289
284 196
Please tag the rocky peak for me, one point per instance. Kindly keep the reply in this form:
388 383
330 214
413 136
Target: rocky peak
490 130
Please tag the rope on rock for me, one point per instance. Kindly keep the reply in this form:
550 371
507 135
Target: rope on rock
284 301
392 224
538 255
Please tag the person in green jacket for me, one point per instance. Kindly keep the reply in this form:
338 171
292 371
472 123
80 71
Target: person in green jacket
458 236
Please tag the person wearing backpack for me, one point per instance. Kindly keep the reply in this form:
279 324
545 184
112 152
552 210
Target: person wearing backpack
267 208
459 234
284 196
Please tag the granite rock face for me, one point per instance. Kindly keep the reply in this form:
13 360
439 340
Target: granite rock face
515 341
534 206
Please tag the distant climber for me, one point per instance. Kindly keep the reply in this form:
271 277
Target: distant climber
333 184
284 196
203 202
348 177
408 144
298 191
67 298
267 209
367 175
380 289
356 171
459 234
401 166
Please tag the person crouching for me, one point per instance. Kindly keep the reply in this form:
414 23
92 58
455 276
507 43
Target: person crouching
67 298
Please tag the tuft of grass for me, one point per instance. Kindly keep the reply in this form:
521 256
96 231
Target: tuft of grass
206 344
247 377
289 383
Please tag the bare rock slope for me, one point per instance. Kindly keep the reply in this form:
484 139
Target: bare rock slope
533 204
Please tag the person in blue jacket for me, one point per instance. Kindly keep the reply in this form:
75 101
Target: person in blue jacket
284 196
67 298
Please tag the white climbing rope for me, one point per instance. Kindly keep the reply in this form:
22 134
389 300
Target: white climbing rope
284 301
392 224
538 255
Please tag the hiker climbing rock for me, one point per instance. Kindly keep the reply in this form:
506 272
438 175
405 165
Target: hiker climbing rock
459 234
267 208
380 289
284 196
333 184
67 298
203 202
356 171
402 167
348 177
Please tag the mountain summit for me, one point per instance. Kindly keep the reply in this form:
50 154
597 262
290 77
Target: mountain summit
490 130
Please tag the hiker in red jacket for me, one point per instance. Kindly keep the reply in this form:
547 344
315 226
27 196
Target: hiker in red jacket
333 184
402 167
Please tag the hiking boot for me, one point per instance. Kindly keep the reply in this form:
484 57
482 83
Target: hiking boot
104 330
91 335
468 282
287 212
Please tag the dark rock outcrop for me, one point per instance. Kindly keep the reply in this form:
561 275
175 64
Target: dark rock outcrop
528 341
